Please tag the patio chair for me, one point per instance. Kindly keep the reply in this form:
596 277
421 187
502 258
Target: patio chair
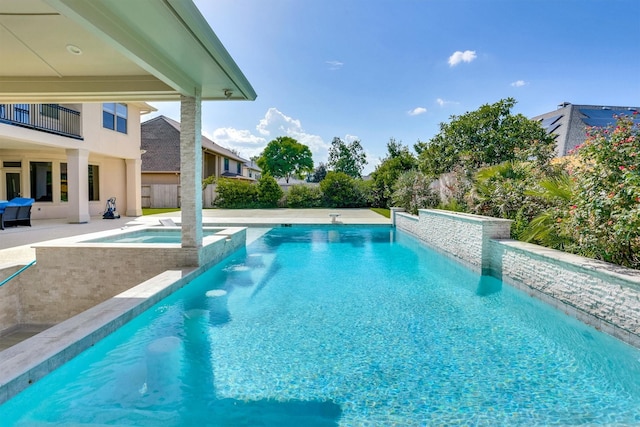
15 212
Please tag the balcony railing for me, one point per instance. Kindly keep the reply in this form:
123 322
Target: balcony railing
51 118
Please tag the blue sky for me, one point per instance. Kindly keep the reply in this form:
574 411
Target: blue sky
380 69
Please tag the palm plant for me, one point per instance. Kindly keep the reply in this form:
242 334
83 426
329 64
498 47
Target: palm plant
552 227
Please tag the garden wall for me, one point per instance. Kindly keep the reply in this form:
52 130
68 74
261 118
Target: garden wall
603 295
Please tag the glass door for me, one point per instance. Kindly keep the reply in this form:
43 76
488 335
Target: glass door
13 184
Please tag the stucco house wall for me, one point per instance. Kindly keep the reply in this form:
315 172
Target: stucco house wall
116 154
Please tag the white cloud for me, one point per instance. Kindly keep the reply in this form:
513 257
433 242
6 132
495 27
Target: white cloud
274 120
334 65
441 102
348 138
458 57
519 83
417 111
273 125
247 144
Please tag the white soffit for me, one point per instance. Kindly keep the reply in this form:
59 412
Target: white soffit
142 50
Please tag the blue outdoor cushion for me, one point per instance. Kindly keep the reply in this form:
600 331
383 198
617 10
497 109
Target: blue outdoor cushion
21 201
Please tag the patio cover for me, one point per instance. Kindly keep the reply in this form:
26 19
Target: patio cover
62 51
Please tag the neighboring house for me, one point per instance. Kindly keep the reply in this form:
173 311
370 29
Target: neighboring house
251 170
71 158
569 122
161 163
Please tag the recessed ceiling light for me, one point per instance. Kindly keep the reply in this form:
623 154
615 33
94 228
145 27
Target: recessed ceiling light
73 49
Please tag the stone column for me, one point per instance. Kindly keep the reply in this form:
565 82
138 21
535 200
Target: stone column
134 187
78 186
191 174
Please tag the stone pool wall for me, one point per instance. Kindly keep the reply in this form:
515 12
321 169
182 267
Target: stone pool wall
461 236
70 276
9 300
603 295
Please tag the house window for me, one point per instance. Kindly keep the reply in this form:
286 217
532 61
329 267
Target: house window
50 110
64 188
94 183
40 174
239 168
114 116
226 165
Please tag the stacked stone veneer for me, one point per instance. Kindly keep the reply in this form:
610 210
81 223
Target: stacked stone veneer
462 236
603 295
10 308
69 278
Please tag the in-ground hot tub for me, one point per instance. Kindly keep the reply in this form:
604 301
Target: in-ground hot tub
154 235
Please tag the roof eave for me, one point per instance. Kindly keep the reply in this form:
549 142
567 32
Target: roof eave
210 71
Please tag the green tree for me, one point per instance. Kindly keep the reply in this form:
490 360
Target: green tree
347 158
319 173
485 137
285 157
398 160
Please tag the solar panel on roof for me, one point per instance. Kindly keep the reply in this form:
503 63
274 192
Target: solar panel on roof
605 117
599 122
552 128
546 123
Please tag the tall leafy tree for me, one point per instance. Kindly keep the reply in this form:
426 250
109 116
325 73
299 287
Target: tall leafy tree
319 173
485 137
347 158
399 159
285 157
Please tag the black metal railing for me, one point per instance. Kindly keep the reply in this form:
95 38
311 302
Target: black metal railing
50 118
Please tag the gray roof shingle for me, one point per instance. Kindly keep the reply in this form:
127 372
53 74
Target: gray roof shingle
160 140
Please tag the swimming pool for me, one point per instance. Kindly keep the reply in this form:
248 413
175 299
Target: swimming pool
339 327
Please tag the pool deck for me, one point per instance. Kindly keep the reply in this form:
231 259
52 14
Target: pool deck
15 242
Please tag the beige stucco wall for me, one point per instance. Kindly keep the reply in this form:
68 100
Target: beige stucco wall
107 149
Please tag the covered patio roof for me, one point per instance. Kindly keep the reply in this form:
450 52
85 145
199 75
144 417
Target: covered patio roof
112 50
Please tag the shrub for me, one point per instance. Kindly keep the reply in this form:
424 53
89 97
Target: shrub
235 194
606 209
505 191
269 192
303 196
341 191
412 192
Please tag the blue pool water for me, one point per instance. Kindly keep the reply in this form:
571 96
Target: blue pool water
150 235
342 327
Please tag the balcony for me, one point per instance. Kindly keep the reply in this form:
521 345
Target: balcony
50 118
